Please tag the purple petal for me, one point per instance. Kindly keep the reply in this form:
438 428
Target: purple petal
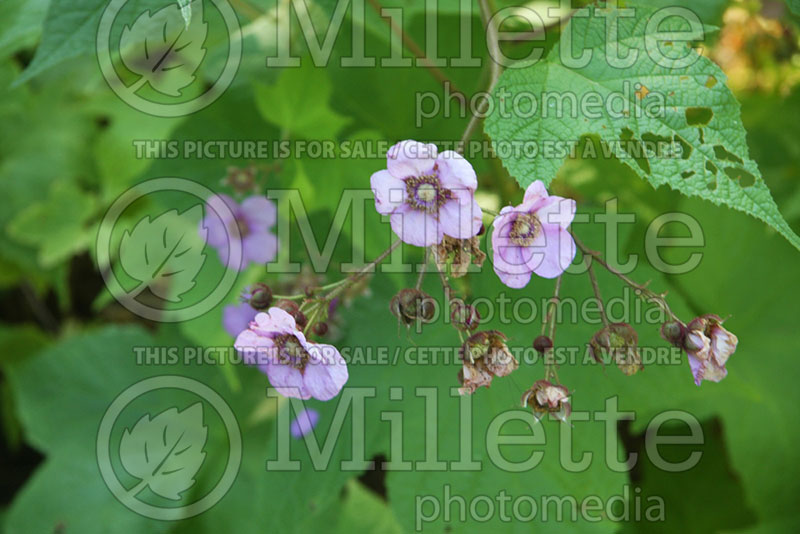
260 247
417 228
288 381
514 281
508 257
390 192
221 212
535 191
455 172
276 320
236 318
326 372
255 350
461 220
557 210
698 369
304 423
552 251
259 213
411 158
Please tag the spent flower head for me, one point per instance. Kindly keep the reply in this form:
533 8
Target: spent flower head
619 342
545 397
708 345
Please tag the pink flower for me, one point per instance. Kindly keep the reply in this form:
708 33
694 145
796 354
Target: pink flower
304 423
247 223
295 366
708 346
427 195
533 237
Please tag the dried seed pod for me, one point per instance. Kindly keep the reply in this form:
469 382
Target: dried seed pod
618 341
412 305
465 317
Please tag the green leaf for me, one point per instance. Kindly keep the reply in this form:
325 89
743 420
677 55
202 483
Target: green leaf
20 24
794 5
299 103
166 452
686 107
363 511
56 226
164 254
70 31
163 49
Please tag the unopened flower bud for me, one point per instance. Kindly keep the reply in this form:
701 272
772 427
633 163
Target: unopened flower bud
260 296
412 305
673 332
321 329
293 309
619 341
542 344
465 317
301 319
289 306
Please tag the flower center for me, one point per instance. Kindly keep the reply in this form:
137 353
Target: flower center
425 193
291 351
241 225
524 229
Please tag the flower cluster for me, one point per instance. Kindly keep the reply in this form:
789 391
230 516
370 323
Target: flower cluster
430 200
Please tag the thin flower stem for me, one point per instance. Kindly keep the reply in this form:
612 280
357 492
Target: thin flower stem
641 289
414 48
550 371
493 41
350 280
312 318
423 269
447 293
596 289
289 297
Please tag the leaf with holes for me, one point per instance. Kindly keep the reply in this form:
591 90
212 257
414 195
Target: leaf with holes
656 104
164 254
163 49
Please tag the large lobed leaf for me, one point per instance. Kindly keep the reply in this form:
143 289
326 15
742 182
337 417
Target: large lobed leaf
701 117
